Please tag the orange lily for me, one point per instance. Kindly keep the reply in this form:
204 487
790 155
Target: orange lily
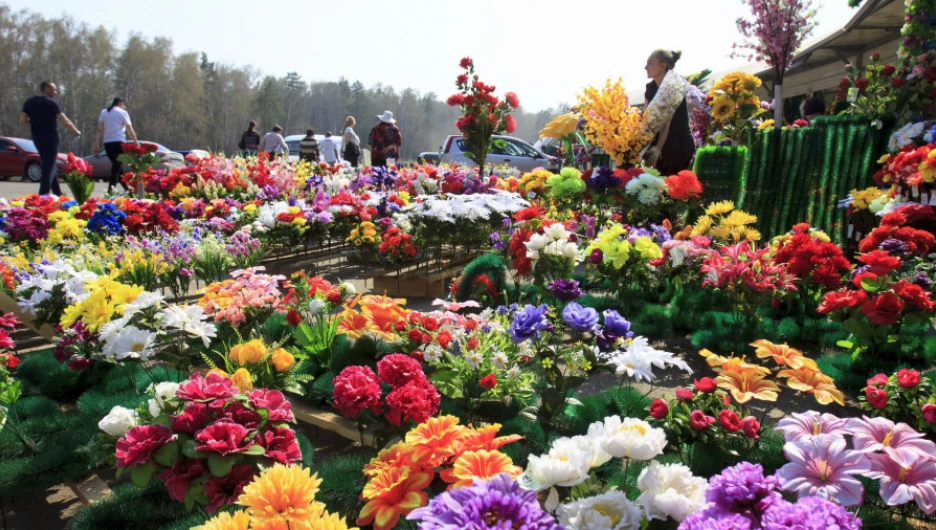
437 440
782 354
814 382
486 438
393 492
355 324
736 364
745 386
481 465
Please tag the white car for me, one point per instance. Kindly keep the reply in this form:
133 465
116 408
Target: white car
505 150
292 141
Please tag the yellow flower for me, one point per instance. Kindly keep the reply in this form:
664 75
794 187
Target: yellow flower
647 249
286 492
547 363
701 226
747 385
812 381
738 218
241 379
331 521
722 109
766 124
219 372
239 520
248 353
560 126
612 123
282 360
719 208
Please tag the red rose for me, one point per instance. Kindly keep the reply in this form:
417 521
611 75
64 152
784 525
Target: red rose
751 427
466 62
215 386
699 421
416 401
11 361
897 82
888 70
929 412
706 384
137 445
418 355
488 382
444 339
430 323
878 380
684 394
729 420
223 437
877 398
880 261
908 378
399 326
414 335
426 338
356 388
396 369
225 490
293 318
884 309
835 300
180 476
334 297
195 416
659 409
278 409
280 445
914 295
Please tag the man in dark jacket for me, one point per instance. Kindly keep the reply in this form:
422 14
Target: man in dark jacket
43 114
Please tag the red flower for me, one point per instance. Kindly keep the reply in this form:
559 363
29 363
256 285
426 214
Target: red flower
684 186
445 338
461 79
884 309
430 323
929 412
751 427
877 398
280 445
699 421
293 317
908 378
684 394
878 380
180 476
397 369
137 445
414 335
225 490
278 409
416 401
466 62
897 82
472 344
455 99
729 420
199 388
512 99
841 300
914 295
510 124
659 409
356 388
223 437
195 416
706 384
880 261
9 360
488 382
888 70
242 415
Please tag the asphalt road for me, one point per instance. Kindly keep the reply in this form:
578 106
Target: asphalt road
13 188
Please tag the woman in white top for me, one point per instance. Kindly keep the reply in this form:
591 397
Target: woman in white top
351 143
114 127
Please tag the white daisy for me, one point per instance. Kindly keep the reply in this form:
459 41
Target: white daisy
475 359
500 360
131 342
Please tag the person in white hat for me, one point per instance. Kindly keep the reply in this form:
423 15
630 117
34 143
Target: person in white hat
385 140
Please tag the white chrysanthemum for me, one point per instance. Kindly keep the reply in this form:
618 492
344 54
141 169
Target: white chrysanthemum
316 306
113 327
118 421
190 319
130 343
500 360
608 511
670 490
475 359
648 188
628 438
632 365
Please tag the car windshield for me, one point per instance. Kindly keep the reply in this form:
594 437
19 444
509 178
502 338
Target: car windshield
25 145
293 146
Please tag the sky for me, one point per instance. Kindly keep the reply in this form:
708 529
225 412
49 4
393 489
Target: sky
546 51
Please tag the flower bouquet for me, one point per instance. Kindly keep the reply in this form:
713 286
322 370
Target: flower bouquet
77 173
313 307
903 396
612 124
140 158
734 106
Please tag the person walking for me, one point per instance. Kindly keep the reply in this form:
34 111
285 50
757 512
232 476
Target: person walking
385 140
250 140
42 112
113 128
674 146
351 142
330 149
309 147
273 143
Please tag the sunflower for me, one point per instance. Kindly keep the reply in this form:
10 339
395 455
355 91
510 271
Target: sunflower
719 208
225 521
722 109
285 492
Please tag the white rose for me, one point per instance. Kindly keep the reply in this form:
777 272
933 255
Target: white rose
349 289
628 438
153 406
118 421
608 511
316 306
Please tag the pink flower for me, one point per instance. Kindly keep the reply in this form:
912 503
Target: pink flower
273 400
397 369
900 441
223 437
138 444
180 476
806 425
878 380
902 483
199 388
699 421
191 420
823 467
929 412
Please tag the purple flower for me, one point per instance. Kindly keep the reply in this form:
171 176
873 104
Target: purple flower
716 519
809 513
498 504
602 179
565 290
617 325
596 256
924 281
894 246
528 322
742 488
580 318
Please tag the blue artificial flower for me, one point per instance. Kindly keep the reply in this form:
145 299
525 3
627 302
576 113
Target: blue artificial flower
528 322
617 325
580 318
106 220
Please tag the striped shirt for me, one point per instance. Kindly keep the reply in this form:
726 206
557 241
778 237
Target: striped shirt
308 148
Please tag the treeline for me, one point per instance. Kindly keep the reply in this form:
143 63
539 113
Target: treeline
187 101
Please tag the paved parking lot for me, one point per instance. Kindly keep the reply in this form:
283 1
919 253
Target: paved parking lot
10 189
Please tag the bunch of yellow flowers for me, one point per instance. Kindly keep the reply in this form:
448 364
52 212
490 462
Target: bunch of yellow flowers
734 100
616 250
65 228
723 222
534 181
612 123
862 198
365 233
107 298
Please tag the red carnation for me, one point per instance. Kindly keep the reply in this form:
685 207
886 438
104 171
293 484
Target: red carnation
884 309
215 386
223 437
512 99
280 445
180 476
729 420
278 409
242 415
455 100
908 378
396 369
356 388
488 382
416 401
914 295
706 384
684 394
137 445
221 491
684 186
699 421
751 427
880 262
659 409
929 412
876 397
195 416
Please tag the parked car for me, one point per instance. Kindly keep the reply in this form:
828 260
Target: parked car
550 146
292 142
101 165
512 152
429 157
197 153
20 158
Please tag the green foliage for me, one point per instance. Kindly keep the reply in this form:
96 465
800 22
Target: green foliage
141 509
723 170
321 389
308 451
626 401
575 419
42 374
343 480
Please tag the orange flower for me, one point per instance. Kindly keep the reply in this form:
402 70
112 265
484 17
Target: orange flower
747 385
383 317
813 382
482 465
735 364
398 454
437 439
355 325
485 438
393 492
241 379
248 353
283 492
282 360
226 521
782 354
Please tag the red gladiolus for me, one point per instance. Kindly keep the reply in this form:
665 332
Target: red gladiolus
877 398
488 382
751 427
908 378
137 445
659 409
884 309
706 384
729 420
684 394
699 421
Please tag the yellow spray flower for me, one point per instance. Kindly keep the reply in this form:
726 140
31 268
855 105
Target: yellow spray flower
286 492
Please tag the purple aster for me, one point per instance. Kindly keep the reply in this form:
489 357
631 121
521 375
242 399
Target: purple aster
716 519
602 179
498 504
743 487
580 318
565 290
924 281
894 246
809 513
528 322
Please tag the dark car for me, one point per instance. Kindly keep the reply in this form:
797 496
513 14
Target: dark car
20 158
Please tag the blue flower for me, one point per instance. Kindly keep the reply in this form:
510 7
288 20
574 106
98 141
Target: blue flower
106 220
528 322
580 318
616 324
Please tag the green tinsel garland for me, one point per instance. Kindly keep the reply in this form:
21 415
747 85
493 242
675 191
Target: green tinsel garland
721 171
491 265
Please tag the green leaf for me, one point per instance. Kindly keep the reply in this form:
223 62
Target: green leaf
448 382
219 465
141 474
167 455
255 450
163 419
845 344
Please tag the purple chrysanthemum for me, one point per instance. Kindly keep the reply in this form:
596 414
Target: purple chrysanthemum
499 504
809 513
894 246
602 179
742 487
716 519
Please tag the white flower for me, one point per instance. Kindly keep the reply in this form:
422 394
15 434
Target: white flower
556 231
537 242
648 188
514 372
565 470
130 342
349 289
589 448
432 353
500 360
190 319
628 438
633 365
904 136
118 421
474 358
608 511
163 392
670 490
29 305
316 306
111 328
145 300
153 406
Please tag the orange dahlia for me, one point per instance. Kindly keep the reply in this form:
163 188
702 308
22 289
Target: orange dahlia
437 439
393 492
481 465
284 492
227 521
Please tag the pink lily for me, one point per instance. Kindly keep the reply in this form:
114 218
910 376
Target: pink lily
809 424
900 441
823 467
900 484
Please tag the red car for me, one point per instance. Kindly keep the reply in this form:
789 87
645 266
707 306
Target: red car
19 157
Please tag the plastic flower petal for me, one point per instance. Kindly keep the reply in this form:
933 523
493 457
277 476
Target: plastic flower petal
479 465
806 425
902 483
286 492
782 354
745 386
810 381
392 493
900 441
824 467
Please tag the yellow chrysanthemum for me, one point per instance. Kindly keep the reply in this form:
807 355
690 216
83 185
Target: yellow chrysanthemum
241 379
751 234
331 521
766 124
225 521
738 218
719 208
286 492
701 226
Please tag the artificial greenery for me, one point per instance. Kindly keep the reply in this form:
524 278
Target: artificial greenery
722 170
